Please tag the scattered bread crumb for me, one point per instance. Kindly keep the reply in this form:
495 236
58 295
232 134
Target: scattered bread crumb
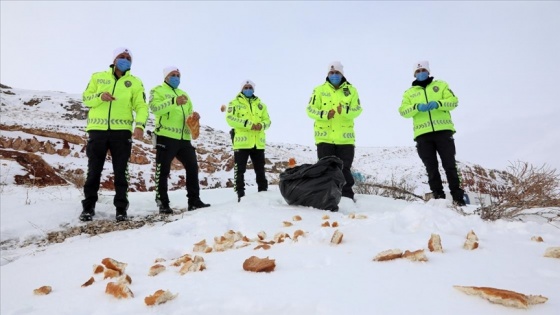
256 264
434 244
552 252
417 255
537 239
112 264
337 237
389 254
159 297
119 290
88 283
504 297
44 290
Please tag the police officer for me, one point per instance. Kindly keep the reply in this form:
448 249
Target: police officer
112 96
248 116
429 102
334 105
171 107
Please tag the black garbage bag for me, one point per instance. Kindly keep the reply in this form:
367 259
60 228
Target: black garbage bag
316 185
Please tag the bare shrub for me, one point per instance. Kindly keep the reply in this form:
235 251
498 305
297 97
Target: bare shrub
396 188
529 191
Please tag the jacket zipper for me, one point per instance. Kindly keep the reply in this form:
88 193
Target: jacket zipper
111 104
184 117
429 114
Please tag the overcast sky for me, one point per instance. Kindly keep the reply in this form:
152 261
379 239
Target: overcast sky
500 58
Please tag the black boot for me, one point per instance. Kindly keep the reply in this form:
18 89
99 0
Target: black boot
196 204
459 198
121 215
165 209
87 214
240 194
438 195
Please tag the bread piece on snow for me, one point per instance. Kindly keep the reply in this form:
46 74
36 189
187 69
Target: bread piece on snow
280 236
337 237
389 254
297 234
126 279
261 235
159 297
110 273
472 236
417 255
471 242
325 217
504 297
434 244
159 260
291 162
537 239
552 252
263 246
44 290
256 264
88 283
119 290
357 216
181 260
156 270
326 224
192 266
296 218
112 264
202 247
98 269
287 224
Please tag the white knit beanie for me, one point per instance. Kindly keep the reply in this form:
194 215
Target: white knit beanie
336 66
424 64
247 82
121 50
168 70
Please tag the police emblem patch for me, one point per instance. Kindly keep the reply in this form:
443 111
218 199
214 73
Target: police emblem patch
346 92
229 110
436 88
127 84
260 106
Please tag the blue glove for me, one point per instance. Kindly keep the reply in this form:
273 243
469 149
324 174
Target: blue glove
423 107
432 105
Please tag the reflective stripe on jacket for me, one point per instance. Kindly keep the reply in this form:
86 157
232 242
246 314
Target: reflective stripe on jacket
170 117
339 129
436 119
128 92
242 114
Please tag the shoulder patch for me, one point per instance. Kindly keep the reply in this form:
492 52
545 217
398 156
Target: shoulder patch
127 83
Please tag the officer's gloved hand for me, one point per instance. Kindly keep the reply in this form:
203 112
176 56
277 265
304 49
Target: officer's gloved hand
422 107
433 105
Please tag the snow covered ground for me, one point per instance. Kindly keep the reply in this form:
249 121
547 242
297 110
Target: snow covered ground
312 276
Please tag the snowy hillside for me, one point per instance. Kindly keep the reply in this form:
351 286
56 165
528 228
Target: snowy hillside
51 125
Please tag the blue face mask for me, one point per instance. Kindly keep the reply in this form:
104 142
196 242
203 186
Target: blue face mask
421 76
335 78
174 82
248 93
123 64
